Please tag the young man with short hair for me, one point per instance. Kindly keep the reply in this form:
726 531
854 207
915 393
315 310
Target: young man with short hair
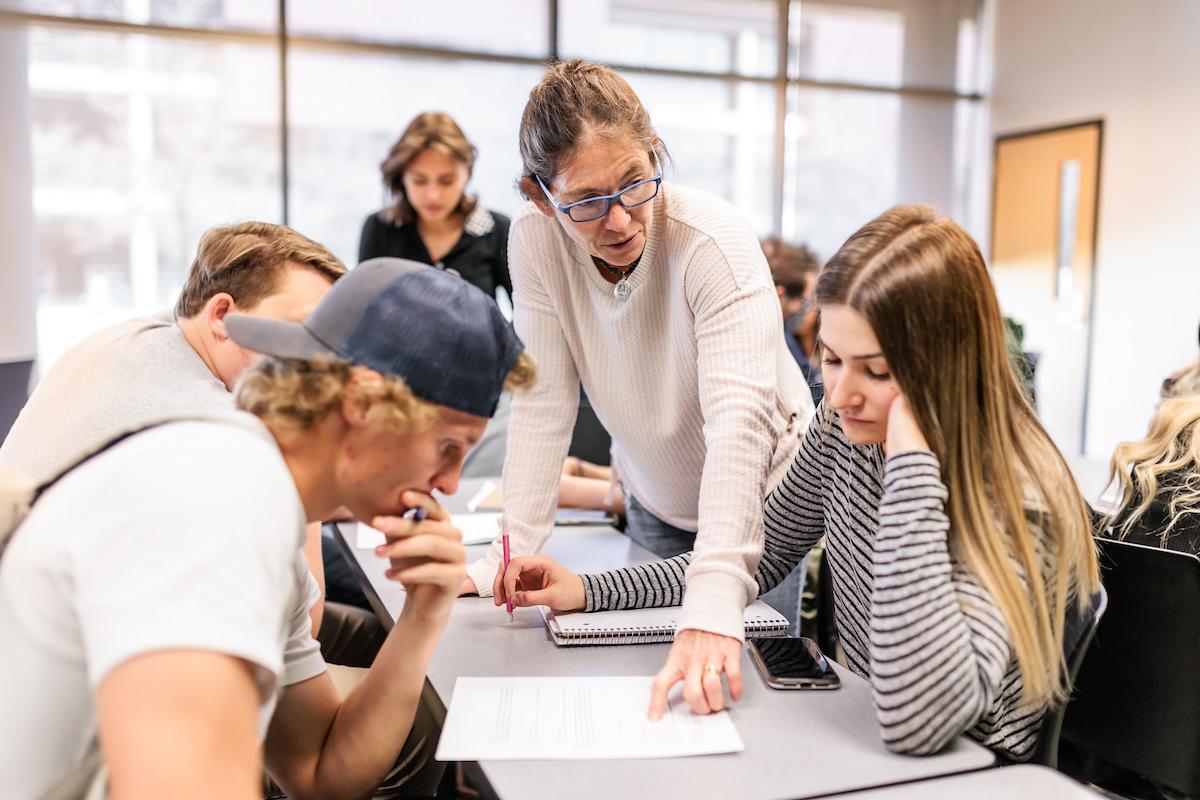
154 367
370 404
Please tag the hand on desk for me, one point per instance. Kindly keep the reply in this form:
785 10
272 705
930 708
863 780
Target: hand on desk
538 581
427 557
698 658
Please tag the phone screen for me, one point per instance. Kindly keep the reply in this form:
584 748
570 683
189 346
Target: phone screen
792 662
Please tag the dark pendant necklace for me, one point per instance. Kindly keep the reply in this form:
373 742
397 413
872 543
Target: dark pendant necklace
622 289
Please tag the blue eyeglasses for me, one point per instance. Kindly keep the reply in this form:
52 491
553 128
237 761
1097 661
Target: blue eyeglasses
591 208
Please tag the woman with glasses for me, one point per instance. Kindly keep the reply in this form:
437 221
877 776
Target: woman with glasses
657 299
432 219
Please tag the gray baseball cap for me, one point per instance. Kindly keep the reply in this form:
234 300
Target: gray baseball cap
435 331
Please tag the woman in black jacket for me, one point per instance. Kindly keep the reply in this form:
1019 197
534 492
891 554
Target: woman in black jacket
432 219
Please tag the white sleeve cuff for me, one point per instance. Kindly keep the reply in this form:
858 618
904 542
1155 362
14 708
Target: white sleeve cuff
483 573
715 602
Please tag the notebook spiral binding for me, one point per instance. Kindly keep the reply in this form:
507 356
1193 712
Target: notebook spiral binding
644 634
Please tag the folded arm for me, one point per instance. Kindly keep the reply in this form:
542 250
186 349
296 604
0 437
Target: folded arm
325 747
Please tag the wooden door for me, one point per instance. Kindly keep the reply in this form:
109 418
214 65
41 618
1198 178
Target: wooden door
1046 197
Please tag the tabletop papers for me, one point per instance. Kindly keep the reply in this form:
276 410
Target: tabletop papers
574 718
476 529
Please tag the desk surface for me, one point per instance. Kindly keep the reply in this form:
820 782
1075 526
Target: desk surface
798 743
1025 781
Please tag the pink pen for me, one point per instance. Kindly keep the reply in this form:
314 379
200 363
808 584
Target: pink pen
508 599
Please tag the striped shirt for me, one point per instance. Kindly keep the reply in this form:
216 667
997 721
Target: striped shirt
910 618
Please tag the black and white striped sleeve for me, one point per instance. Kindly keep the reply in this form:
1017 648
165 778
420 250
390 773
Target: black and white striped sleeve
659 583
794 523
793 514
935 669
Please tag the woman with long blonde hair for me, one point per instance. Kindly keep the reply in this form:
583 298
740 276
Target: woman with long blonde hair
957 539
1159 476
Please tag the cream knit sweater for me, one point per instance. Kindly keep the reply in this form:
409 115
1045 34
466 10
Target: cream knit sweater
690 376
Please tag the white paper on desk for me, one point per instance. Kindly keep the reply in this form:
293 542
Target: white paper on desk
476 529
574 718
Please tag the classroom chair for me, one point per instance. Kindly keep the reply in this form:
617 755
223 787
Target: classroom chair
1136 704
1045 752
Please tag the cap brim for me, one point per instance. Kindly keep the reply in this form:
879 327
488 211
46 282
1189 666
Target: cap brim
274 337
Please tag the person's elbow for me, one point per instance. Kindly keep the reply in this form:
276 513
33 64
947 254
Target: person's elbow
918 734
919 743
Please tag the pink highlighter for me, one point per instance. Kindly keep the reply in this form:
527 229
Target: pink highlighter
508 599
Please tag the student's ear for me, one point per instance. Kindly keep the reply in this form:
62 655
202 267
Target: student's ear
215 311
356 401
530 188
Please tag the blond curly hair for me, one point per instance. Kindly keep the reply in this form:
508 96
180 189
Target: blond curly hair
1167 460
293 395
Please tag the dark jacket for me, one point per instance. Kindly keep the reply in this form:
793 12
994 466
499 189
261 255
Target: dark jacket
1148 530
480 256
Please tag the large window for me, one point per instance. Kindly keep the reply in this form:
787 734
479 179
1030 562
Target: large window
738 36
153 120
348 108
140 143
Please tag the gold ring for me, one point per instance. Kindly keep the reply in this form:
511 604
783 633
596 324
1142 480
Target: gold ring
710 669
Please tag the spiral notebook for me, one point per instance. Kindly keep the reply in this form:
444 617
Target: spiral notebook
645 625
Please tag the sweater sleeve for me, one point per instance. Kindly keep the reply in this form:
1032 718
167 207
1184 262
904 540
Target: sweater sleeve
939 647
737 333
543 416
659 583
794 524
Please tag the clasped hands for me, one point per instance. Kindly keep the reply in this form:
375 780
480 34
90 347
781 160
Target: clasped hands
427 556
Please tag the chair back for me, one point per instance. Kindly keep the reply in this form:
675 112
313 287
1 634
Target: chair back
1080 630
1136 702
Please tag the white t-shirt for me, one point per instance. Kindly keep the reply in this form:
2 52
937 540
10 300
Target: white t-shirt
184 536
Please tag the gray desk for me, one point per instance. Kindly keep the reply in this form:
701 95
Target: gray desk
798 743
1026 781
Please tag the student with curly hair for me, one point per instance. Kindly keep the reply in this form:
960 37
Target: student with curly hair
1159 475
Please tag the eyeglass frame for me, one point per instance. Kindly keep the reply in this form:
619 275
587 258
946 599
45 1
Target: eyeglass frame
608 198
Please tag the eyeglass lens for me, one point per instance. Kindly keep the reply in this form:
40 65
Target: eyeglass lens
633 196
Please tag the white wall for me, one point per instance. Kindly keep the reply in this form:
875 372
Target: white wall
1136 65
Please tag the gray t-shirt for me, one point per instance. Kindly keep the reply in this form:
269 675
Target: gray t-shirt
141 369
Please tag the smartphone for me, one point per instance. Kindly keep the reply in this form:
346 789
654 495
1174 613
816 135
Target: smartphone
791 663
